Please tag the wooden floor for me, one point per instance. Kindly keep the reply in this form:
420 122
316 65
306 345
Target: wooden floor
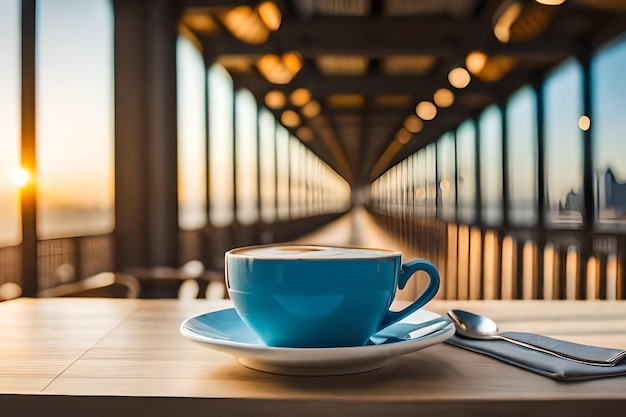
358 228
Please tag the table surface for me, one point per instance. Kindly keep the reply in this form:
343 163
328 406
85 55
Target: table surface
66 356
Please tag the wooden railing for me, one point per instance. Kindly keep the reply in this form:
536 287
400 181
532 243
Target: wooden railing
67 260
514 263
475 262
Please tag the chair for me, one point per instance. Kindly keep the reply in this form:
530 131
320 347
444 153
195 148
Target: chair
9 291
104 284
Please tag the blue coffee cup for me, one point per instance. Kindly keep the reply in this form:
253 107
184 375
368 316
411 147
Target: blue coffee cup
320 296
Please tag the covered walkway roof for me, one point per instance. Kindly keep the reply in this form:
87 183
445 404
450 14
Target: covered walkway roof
368 63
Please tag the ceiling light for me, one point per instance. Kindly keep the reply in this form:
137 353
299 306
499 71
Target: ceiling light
426 110
290 118
475 61
200 22
311 109
246 25
300 97
413 124
270 15
292 61
507 14
443 98
459 77
279 69
275 99
551 2
584 123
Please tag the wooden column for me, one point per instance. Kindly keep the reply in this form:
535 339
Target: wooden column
589 208
29 151
541 169
456 175
540 236
146 205
208 61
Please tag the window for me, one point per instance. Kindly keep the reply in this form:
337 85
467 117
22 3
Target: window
466 171
246 146
10 230
522 156
430 160
563 108
609 125
294 173
417 185
192 186
490 128
221 189
75 139
282 172
267 137
447 174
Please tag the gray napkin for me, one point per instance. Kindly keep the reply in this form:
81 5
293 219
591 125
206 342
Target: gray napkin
543 363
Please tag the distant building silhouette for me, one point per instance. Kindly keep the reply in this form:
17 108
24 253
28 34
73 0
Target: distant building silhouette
615 192
573 202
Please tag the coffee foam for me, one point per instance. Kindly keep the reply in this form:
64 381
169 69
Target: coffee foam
312 252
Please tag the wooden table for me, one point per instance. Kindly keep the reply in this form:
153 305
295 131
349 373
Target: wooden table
106 357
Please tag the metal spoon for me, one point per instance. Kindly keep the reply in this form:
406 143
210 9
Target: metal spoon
474 326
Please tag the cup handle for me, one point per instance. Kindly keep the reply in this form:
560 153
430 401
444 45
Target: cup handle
406 272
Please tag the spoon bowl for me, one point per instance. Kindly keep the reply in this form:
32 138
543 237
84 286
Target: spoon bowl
474 326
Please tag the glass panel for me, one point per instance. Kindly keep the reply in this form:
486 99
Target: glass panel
522 143
430 160
282 171
267 127
490 126
405 182
10 230
75 118
447 173
294 169
339 190
609 125
393 191
192 186
220 146
247 190
563 105
420 191
316 186
466 157
304 180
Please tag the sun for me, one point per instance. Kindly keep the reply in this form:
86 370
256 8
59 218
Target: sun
21 177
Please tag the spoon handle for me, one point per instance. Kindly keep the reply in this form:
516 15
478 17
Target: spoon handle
561 355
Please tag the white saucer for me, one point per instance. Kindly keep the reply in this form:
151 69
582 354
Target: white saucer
225 332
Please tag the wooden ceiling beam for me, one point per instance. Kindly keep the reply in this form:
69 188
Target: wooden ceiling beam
378 37
369 85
